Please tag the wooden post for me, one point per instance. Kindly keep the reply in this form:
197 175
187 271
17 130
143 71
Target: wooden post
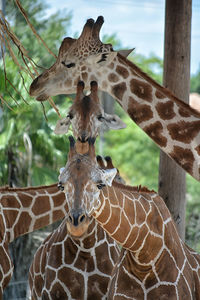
172 183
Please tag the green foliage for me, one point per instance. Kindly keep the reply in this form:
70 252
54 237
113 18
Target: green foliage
51 29
47 148
195 83
112 39
152 65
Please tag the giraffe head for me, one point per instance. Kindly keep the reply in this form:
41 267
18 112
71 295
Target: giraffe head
82 180
78 59
87 116
75 58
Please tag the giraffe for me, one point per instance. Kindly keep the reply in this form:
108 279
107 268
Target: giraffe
23 210
154 262
69 265
172 124
87 116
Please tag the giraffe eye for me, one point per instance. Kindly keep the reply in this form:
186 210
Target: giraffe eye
70 116
68 65
100 117
100 186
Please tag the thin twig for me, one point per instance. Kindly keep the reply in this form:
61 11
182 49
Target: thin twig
33 29
5 29
23 81
44 112
4 101
50 100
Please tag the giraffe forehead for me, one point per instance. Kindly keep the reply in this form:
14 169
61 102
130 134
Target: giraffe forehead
94 46
84 48
80 168
84 172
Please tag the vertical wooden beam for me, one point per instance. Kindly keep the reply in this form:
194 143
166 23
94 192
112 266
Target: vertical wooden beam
172 183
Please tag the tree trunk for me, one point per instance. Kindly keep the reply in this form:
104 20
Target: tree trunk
172 183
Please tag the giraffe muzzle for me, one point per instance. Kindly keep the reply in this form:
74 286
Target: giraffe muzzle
77 218
77 223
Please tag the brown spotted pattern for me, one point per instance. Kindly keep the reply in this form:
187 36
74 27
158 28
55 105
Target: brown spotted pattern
118 90
166 119
139 112
154 262
73 268
159 95
122 71
184 131
198 149
183 156
141 89
155 131
22 211
93 60
165 110
112 77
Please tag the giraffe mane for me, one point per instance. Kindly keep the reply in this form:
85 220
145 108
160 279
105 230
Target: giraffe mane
138 188
8 188
161 89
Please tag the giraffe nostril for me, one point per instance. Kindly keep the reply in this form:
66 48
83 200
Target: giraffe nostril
82 218
83 138
75 218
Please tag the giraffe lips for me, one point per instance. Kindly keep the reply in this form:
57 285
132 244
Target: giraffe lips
82 147
42 97
36 90
34 87
77 231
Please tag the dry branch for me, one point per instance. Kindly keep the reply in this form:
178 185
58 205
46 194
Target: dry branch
32 28
7 36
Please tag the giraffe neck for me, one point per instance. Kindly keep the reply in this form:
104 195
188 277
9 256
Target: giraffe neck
89 240
139 221
24 210
74 268
172 124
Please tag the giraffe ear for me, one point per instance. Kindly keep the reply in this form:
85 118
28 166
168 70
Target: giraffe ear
125 53
61 170
62 126
108 176
101 59
112 122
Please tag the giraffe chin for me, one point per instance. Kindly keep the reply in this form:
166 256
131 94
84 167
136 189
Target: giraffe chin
77 231
42 97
